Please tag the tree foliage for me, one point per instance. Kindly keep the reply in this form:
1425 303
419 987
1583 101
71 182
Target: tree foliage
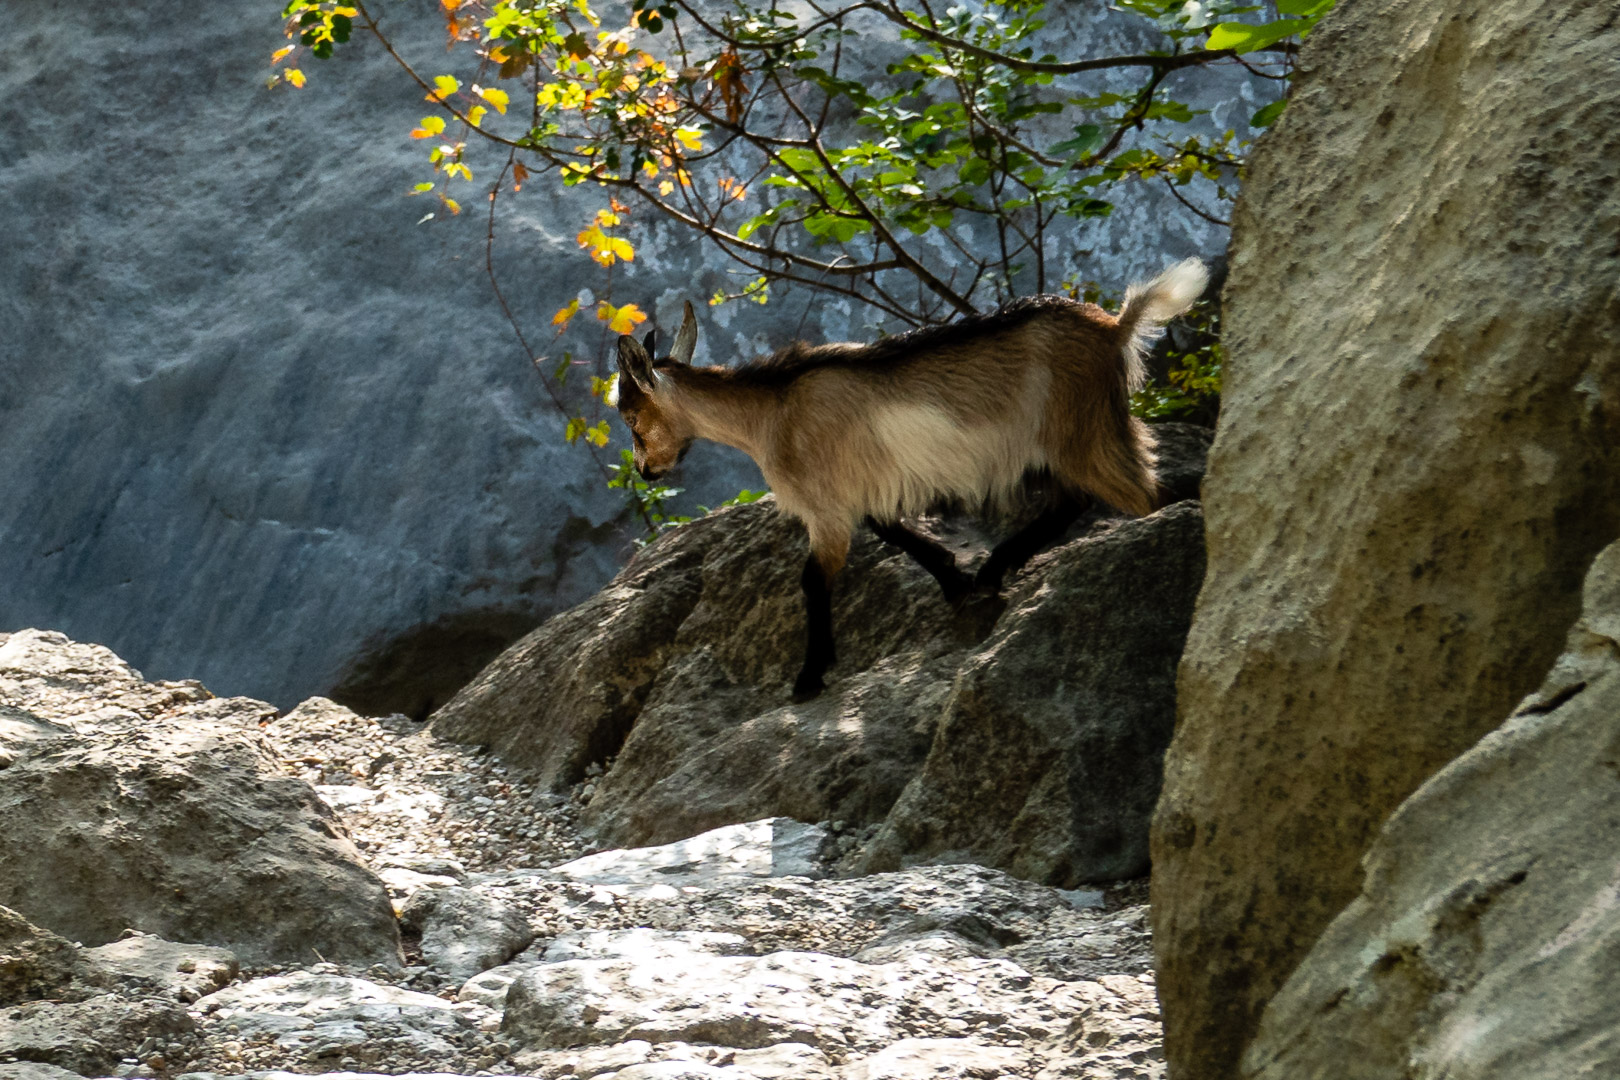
925 163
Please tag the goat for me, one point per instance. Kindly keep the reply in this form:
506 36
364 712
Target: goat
849 432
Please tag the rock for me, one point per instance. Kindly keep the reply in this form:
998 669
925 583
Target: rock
701 635
1416 462
326 1016
34 963
463 931
831 1003
87 1037
1481 943
145 962
1047 758
151 810
776 847
714 610
927 1059
34 1070
640 942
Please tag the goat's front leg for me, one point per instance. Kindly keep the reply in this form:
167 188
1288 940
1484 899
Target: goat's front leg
931 555
1022 545
826 559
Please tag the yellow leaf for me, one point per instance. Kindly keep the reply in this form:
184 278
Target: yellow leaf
349 11
607 217
497 98
453 206
620 320
690 138
665 187
575 428
294 76
475 115
499 54
597 434
563 316
649 168
431 126
621 248
280 54
444 86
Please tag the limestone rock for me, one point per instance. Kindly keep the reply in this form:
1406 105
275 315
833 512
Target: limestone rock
152 810
146 962
676 676
328 1016
463 931
1416 462
87 1037
774 847
34 963
1481 944
1047 758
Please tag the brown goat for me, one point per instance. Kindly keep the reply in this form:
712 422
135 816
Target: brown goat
847 432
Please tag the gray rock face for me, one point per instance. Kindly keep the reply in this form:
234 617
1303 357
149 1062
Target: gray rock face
1480 946
1059 698
463 932
149 963
34 963
256 373
1418 457
87 1037
155 807
1047 758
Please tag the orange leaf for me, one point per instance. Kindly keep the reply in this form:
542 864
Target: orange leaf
520 175
620 320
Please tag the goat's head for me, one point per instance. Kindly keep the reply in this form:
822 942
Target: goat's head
659 428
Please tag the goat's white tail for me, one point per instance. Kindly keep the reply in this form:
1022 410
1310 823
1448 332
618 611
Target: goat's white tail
1148 306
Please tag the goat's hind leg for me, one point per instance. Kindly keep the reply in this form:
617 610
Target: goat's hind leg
1022 545
931 555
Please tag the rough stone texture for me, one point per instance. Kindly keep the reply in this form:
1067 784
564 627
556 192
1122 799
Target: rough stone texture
87 1037
1047 758
1059 695
1416 462
1481 945
146 962
34 963
322 1015
156 808
463 932
250 393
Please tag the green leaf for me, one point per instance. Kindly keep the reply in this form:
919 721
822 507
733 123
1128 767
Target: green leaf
1247 37
1268 115
1304 9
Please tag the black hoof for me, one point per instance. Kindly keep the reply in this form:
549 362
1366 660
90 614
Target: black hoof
807 687
957 588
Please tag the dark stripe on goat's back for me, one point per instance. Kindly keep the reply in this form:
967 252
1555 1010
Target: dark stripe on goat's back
786 365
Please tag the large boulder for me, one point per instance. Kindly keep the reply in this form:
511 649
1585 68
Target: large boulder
1418 457
158 808
1048 754
673 683
1481 945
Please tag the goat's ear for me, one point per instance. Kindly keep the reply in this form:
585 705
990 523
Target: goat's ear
636 365
685 337
650 343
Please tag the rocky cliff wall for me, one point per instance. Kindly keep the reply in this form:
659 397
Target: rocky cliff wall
1416 463
263 428
1481 943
